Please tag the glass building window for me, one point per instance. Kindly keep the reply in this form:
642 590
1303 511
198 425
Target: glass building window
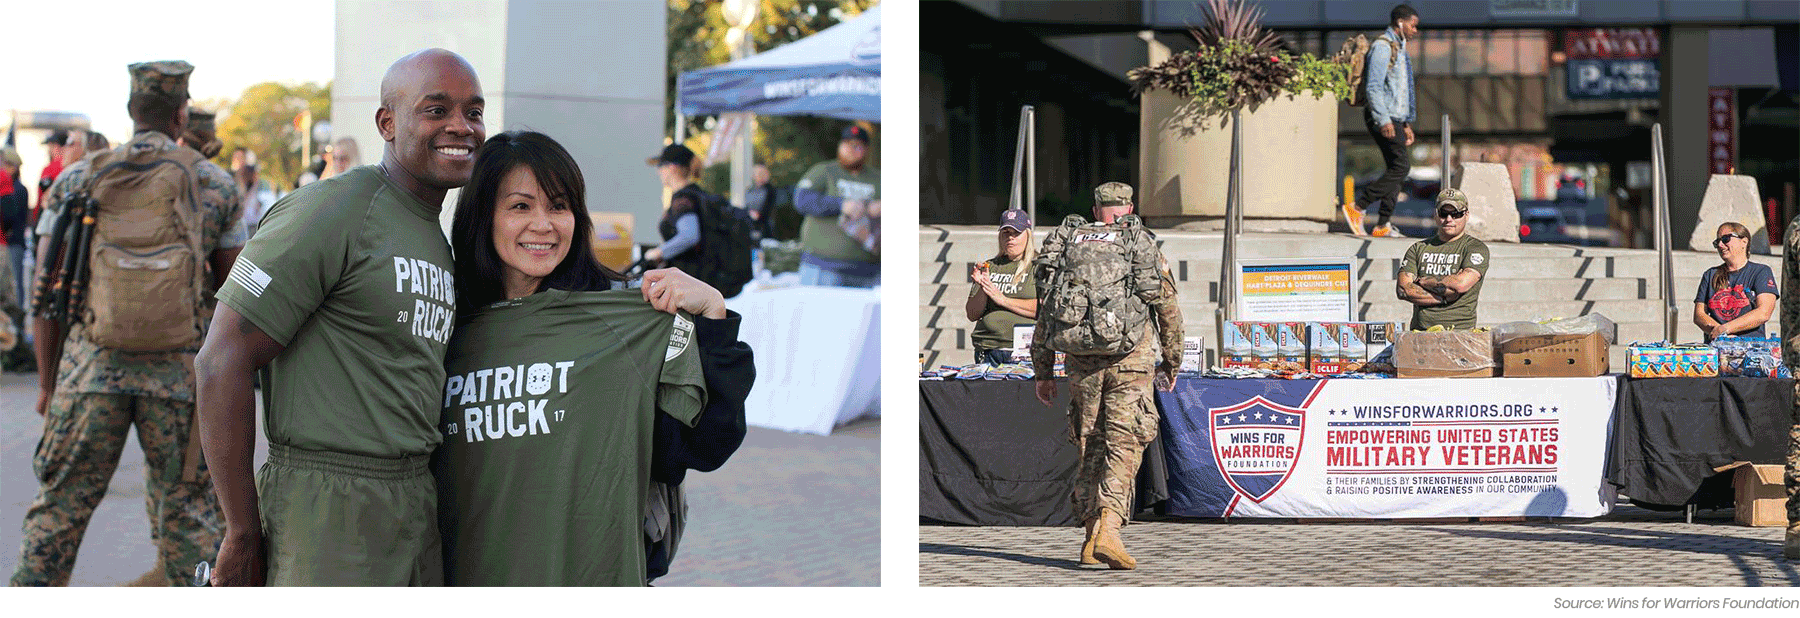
1470 51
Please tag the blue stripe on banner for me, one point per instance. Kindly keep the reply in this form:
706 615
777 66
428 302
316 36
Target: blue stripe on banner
1196 486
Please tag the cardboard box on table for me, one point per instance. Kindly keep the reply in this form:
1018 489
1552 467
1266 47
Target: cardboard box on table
1444 354
1554 356
1677 361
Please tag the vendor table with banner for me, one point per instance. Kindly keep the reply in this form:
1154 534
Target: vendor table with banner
1672 433
1388 448
991 454
817 356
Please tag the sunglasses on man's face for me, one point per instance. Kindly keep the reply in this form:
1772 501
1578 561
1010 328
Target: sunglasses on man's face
1724 240
1450 214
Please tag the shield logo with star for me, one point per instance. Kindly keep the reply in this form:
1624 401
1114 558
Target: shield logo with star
1256 444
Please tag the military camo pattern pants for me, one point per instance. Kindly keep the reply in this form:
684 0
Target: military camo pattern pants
1792 480
1111 418
84 436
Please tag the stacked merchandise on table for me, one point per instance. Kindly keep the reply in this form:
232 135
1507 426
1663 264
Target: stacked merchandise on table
1305 350
1749 357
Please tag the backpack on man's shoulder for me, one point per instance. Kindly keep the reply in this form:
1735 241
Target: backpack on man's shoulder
1357 49
147 267
725 244
1089 307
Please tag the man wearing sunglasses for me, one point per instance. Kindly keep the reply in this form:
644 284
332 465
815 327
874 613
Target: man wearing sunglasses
1441 276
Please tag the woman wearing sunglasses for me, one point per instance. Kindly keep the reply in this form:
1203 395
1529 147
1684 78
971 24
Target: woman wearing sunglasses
1737 296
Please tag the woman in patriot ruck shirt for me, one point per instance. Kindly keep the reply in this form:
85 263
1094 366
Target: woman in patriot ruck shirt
566 396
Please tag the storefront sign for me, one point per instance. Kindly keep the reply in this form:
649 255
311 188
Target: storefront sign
1534 8
1613 63
1721 132
1296 290
1389 448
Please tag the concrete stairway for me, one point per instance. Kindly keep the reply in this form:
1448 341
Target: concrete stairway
1524 282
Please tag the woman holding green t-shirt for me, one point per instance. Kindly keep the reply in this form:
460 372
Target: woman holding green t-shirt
554 488
1004 294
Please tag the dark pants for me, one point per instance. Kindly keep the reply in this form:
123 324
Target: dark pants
993 356
1382 192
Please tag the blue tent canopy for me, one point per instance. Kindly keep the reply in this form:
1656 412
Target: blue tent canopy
835 73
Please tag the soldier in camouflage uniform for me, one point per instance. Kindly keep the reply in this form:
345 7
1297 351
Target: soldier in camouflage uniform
1112 416
96 394
1790 320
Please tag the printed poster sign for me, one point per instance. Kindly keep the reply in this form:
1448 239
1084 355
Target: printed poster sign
1388 448
1296 290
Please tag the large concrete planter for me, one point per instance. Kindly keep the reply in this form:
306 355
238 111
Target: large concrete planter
1290 159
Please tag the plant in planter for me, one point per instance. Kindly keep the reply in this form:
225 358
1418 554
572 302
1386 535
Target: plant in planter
1238 65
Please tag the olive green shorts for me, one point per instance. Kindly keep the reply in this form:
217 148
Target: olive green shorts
335 519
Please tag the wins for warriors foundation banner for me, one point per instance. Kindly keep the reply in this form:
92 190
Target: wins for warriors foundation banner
1388 448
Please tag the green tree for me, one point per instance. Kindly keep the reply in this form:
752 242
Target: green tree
787 144
262 121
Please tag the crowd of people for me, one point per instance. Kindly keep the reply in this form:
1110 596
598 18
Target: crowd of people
424 399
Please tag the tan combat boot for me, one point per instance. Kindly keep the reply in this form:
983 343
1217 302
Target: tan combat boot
1087 546
1791 549
153 578
1107 546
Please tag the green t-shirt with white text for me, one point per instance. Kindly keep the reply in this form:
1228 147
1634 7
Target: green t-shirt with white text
995 327
353 276
548 418
1433 257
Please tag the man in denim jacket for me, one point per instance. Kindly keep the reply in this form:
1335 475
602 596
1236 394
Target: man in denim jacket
1393 105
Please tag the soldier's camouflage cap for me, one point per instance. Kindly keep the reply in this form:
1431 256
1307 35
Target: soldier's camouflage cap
1453 198
1112 194
163 78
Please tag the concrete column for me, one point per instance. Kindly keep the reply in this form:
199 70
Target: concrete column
542 68
1685 74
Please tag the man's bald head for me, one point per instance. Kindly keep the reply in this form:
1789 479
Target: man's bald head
407 74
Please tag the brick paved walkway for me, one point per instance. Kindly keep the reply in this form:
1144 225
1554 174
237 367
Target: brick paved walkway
1630 547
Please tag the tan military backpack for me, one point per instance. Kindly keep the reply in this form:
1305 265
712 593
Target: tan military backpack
147 263
1356 50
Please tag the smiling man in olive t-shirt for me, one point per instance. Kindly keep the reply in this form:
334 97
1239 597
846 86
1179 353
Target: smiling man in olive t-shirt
1441 276
345 296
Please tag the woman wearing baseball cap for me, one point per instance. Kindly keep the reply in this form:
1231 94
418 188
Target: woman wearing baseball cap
1005 291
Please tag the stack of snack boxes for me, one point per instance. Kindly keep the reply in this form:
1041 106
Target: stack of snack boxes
1278 346
1344 347
1661 360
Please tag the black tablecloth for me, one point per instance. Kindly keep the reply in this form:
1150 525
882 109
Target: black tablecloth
991 454
1670 433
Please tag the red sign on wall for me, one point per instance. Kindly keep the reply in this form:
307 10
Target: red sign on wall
1612 43
1721 142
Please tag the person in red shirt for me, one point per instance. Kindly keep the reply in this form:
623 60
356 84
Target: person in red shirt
54 144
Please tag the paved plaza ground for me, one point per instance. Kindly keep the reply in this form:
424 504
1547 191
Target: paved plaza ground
787 510
1630 547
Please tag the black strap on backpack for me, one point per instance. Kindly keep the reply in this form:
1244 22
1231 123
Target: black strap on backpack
725 242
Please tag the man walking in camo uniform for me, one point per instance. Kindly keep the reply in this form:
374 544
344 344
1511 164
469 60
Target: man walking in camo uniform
1790 317
1111 413
95 394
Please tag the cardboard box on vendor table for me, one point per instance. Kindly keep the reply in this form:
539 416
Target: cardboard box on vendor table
1444 354
1554 356
1761 499
1238 347
1690 361
1375 338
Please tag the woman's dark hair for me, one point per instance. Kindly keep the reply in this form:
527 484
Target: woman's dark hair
1722 274
478 266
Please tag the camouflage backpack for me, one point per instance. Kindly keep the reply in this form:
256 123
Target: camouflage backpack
1356 52
1093 276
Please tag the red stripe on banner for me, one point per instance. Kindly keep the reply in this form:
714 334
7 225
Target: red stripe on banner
1235 497
1317 388
1440 470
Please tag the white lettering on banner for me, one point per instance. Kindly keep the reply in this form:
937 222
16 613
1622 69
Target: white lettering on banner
1513 447
486 412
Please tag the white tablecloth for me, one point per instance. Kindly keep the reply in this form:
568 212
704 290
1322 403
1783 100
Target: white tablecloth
818 356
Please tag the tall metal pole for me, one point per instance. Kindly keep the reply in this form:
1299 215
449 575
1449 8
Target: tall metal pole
1445 151
1020 156
1659 201
1031 162
1234 212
